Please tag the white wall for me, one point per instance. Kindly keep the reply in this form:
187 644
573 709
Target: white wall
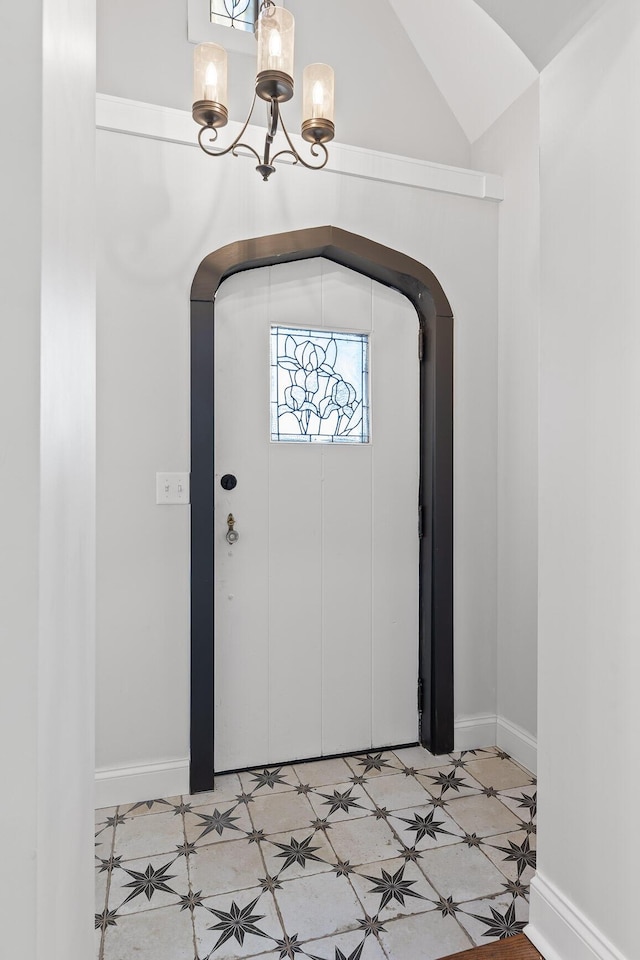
511 148
47 423
163 207
584 899
144 54
19 472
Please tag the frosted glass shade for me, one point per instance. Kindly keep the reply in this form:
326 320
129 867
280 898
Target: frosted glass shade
318 103
275 35
210 74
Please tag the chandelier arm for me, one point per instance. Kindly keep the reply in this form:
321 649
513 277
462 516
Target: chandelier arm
288 153
315 147
245 146
236 143
273 117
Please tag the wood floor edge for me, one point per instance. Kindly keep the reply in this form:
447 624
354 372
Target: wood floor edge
514 948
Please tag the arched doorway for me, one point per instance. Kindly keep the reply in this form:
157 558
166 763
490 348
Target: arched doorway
420 286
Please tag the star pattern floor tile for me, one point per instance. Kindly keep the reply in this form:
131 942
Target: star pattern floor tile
385 856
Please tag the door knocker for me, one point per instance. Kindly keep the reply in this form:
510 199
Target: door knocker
232 535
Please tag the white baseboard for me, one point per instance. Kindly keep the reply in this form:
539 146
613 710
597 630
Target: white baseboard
474 732
487 730
148 781
560 931
518 743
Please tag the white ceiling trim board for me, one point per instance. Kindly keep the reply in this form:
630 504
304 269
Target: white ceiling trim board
153 122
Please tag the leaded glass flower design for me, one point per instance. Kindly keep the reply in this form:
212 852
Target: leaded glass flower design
240 14
319 386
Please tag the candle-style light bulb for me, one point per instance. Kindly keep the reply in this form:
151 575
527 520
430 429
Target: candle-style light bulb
317 99
318 86
275 49
211 83
275 34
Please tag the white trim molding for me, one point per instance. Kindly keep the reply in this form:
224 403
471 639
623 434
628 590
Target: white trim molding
562 932
144 782
474 732
488 730
518 743
152 122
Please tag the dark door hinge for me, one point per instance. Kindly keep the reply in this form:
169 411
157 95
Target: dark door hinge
420 524
419 696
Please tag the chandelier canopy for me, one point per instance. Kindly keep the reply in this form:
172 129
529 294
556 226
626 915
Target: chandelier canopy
275 30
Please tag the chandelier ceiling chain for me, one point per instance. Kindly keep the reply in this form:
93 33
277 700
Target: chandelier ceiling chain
274 85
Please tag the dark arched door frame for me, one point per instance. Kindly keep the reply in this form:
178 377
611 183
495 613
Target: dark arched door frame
420 286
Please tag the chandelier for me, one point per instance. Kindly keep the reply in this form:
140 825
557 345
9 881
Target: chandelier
274 85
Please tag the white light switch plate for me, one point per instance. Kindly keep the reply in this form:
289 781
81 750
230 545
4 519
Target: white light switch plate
172 488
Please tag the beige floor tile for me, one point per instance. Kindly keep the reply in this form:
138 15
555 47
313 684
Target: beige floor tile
398 792
267 921
449 781
120 878
324 799
485 816
506 866
417 899
522 801
318 906
251 781
476 753
408 831
346 943
319 773
103 842
426 936
101 889
147 836
363 841
148 807
203 832
320 848
419 758
226 789
481 932
462 872
97 944
281 812
102 813
363 765
165 934
225 867
497 773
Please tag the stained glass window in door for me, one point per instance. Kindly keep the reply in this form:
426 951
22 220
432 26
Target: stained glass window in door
319 386
241 14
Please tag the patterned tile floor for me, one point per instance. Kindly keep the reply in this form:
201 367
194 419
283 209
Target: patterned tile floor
398 854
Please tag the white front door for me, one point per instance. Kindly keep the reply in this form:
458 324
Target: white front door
316 604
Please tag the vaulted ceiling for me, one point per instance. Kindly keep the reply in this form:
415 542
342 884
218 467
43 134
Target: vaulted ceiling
540 27
419 78
483 54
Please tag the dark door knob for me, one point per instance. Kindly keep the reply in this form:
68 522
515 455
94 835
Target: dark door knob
228 482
